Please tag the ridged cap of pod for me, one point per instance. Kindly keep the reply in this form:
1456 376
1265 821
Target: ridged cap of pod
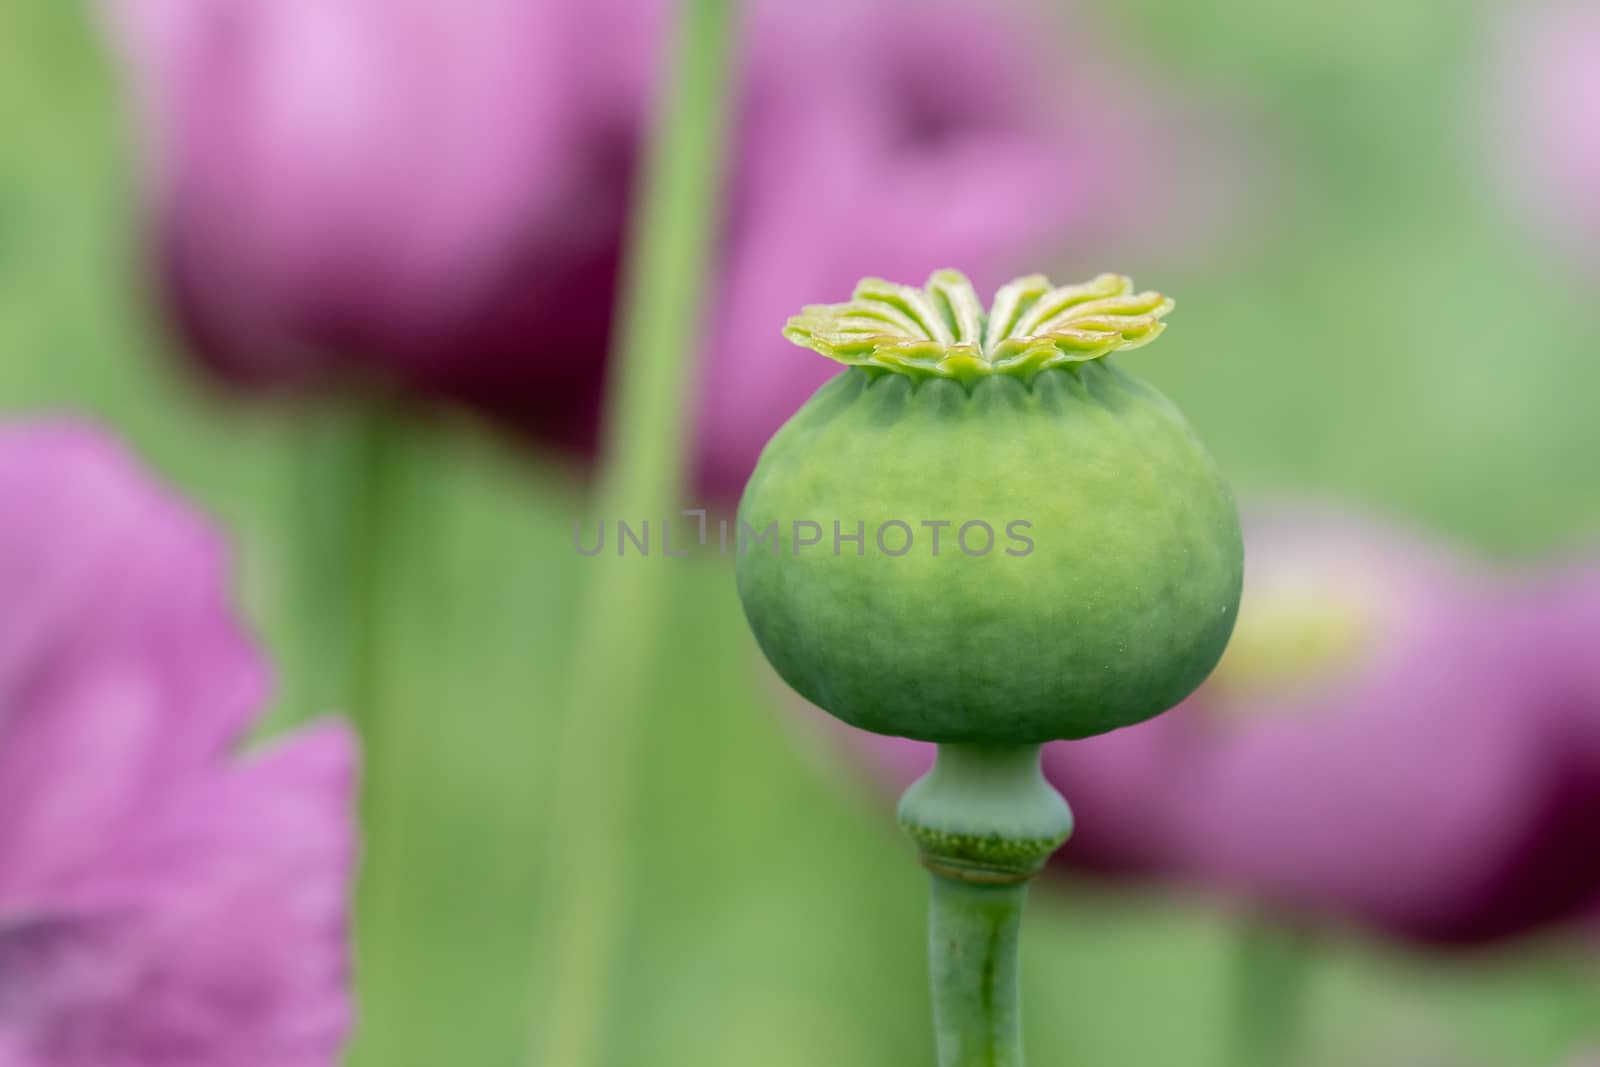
942 330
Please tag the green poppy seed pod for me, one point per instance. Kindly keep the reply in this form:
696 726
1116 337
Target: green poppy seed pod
983 531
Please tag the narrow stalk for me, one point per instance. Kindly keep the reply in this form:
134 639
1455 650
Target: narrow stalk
985 821
347 474
973 940
350 474
1271 968
625 607
378 446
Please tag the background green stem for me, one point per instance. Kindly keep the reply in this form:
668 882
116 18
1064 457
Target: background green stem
351 479
973 941
378 445
348 472
1270 983
625 606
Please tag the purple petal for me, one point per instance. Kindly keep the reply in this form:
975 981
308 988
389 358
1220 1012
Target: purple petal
161 902
217 942
120 664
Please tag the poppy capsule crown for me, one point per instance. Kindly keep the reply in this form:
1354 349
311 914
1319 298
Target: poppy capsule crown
942 330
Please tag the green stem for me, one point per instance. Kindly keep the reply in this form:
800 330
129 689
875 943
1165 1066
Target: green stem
625 607
350 477
985 821
348 470
1271 968
973 942
378 446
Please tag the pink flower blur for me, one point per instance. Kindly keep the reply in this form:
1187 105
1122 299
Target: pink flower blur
163 900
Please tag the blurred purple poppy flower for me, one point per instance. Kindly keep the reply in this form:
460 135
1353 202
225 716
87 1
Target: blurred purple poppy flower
162 901
438 192
1546 116
426 189
1392 737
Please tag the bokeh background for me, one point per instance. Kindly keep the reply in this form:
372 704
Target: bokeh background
1384 299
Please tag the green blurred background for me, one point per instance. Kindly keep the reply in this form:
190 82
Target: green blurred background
1383 329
